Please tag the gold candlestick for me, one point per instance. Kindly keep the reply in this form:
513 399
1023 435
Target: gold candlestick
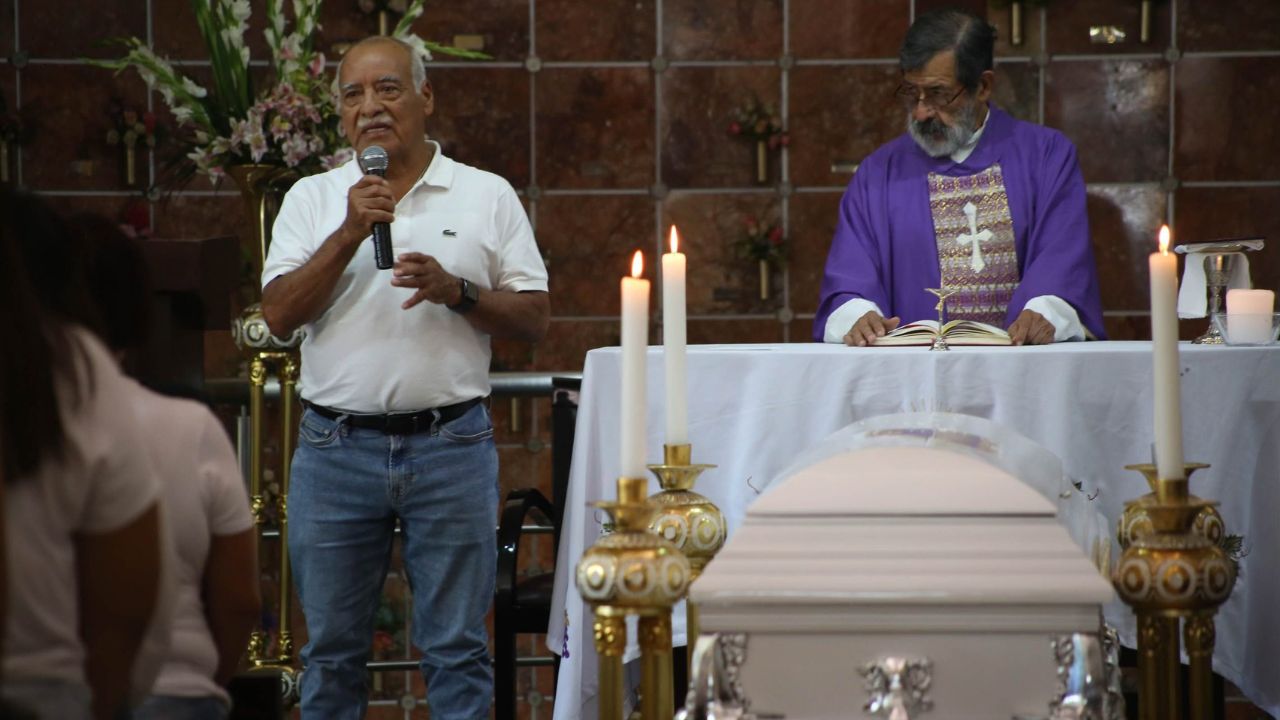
1167 574
1135 521
633 572
687 519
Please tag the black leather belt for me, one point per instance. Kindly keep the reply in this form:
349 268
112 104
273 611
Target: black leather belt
399 423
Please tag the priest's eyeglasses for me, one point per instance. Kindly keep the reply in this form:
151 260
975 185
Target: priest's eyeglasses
934 98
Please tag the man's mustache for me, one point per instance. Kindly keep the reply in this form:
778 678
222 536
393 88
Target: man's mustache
930 126
380 119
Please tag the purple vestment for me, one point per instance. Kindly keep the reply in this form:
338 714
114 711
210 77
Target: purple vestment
885 249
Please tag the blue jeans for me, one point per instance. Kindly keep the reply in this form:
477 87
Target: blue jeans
172 707
348 487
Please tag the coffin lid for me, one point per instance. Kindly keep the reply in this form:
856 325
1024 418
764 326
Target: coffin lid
900 520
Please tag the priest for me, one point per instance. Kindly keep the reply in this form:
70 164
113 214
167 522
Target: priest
969 199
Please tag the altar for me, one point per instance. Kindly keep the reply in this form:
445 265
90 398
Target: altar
754 408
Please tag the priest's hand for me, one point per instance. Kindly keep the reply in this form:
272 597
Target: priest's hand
869 327
1031 328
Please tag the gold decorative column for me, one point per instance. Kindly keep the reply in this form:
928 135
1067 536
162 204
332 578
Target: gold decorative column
631 571
261 188
1169 573
610 632
289 368
657 697
687 520
286 362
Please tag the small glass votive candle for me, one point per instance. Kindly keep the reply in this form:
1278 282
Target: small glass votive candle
1248 328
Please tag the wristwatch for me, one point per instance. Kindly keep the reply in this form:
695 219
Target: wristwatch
470 295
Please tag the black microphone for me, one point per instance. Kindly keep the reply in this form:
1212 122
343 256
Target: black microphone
374 161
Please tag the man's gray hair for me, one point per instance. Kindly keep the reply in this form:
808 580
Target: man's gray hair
972 38
416 64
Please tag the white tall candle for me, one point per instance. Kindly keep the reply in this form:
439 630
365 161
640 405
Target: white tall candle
674 341
1164 348
1249 315
635 345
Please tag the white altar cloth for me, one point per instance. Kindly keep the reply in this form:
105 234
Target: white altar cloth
754 408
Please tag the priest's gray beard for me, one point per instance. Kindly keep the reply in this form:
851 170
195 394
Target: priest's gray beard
939 139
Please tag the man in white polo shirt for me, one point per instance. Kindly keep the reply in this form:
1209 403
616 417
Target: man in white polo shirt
394 368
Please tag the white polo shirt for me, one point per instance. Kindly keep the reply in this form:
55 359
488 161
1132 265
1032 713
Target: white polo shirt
365 353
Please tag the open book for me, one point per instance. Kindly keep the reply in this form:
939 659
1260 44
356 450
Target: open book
956 332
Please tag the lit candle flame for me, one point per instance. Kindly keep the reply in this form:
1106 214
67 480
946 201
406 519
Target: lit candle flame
675 240
1164 239
637 264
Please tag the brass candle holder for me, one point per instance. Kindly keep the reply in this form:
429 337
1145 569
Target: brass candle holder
632 571
687 520
1135 520
1170 574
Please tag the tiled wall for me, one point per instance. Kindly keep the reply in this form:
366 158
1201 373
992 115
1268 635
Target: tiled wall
609 116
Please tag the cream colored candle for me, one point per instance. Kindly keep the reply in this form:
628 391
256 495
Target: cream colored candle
1164 347
674 341
635 346
1249 315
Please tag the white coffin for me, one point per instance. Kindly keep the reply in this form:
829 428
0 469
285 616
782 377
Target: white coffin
908 551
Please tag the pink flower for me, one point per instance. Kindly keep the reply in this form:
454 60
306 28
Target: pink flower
735 128
317 65
775 235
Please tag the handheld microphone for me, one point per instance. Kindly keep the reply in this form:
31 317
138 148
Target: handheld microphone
374 161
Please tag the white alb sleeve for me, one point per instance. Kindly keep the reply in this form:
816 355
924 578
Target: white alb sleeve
1059 313
842 319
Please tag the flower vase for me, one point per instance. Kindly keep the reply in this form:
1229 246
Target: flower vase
764 279
4 161
262 187
130 166
762 161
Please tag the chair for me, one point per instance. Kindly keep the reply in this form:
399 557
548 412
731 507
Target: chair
523 605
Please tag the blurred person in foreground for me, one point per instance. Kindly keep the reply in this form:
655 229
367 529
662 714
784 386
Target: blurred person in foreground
968 198
82 516
395 374
206 505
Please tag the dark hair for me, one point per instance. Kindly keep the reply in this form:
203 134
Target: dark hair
115 271
972 38
35 300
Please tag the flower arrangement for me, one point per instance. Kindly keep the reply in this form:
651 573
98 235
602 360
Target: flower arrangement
756 121
128 128
764 243
291 123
